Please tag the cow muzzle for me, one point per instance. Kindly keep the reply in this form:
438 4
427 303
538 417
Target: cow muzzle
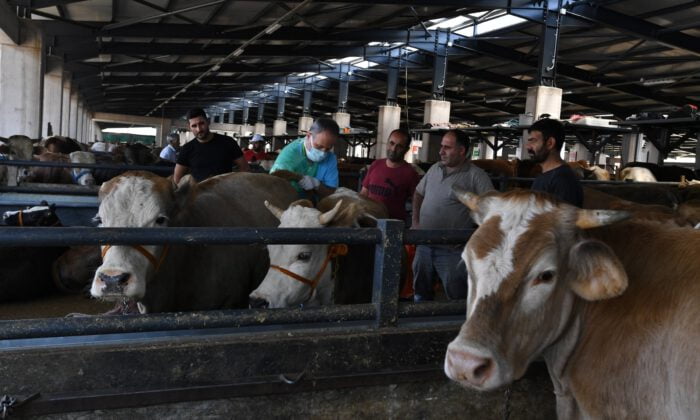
471 369
113 284
256 302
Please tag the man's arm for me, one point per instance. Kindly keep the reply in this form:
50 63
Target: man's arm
242 164
364 192
180 171
417 202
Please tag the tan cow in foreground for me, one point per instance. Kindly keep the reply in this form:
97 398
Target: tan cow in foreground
613 307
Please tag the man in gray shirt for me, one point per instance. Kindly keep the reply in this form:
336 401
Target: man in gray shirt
436 207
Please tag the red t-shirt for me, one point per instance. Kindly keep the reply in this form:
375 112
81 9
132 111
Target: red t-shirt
391 186
251 156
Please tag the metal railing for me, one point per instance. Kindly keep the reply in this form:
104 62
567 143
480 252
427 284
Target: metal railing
384 310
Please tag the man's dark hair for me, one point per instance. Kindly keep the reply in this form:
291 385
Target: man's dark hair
173 136
462 139
403 133
549 128
197 112
325 124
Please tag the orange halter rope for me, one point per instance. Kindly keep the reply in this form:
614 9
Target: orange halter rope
333 251
143 251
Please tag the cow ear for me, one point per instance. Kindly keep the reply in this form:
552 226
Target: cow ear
595 272
182 189
470 200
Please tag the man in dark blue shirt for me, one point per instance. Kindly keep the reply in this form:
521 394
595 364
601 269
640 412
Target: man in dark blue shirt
544 146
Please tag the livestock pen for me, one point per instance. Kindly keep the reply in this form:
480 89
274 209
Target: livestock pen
381 359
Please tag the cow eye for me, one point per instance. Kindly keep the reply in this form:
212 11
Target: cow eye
161 220
544 277
304 256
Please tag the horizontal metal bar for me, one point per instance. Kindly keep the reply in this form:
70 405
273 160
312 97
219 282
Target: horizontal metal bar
453 307
63 189
36 163
65 236
273 384
65 327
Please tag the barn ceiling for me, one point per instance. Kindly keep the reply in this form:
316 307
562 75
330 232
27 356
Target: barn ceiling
161 57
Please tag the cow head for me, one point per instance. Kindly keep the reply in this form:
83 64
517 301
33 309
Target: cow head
41 215
528 264
82 176
279 288
134 199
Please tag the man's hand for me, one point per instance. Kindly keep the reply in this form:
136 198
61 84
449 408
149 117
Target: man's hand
308 182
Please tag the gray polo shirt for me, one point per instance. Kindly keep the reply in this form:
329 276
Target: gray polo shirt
440 208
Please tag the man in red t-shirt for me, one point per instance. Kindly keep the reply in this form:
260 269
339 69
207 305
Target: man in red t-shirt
392 181
257 153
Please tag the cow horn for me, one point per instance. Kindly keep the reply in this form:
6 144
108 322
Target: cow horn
588 219
467 198
276 211
327 217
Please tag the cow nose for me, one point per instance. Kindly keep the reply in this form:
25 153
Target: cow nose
258 302
464 366
114 283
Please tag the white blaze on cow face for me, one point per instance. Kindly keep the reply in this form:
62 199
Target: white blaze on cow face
521 277
130 201
279 290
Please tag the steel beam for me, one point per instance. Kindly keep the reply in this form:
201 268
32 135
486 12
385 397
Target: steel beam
549 40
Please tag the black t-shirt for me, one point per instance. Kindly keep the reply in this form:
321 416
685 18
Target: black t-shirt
211 158
562 183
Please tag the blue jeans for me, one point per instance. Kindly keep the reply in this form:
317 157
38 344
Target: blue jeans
447 264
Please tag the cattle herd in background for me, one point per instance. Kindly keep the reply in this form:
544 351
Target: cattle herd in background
72 270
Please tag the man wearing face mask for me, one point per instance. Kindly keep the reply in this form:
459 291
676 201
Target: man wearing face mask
557 178
312 157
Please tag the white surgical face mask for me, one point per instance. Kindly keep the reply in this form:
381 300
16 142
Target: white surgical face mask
314 154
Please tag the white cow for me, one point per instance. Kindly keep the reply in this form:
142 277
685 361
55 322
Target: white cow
301 274
82 176
637 174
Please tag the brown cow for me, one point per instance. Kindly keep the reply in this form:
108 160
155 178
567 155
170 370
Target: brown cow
612 307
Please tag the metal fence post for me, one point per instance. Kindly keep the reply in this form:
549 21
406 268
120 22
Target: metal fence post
387 272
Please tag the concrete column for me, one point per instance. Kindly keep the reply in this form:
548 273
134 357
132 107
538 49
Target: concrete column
649 153
259 128
389 120
53 100
73 123
342 118
304 124
279 127
435 112
97 133
21 79
540 100
79 122
65 105
247 130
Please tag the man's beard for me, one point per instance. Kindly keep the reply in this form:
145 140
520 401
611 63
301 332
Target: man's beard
539 157
202 135
394 156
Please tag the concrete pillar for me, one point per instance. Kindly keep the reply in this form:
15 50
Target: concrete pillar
540 100
65 105
649 153
259 128
97 133
435 112
304 124
79 123
73 123
279 127
53 100
247 130
342 118
21 79
389 120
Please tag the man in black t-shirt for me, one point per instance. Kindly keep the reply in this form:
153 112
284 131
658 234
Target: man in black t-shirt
208 154
544 146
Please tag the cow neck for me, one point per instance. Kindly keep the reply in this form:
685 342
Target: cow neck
558 354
